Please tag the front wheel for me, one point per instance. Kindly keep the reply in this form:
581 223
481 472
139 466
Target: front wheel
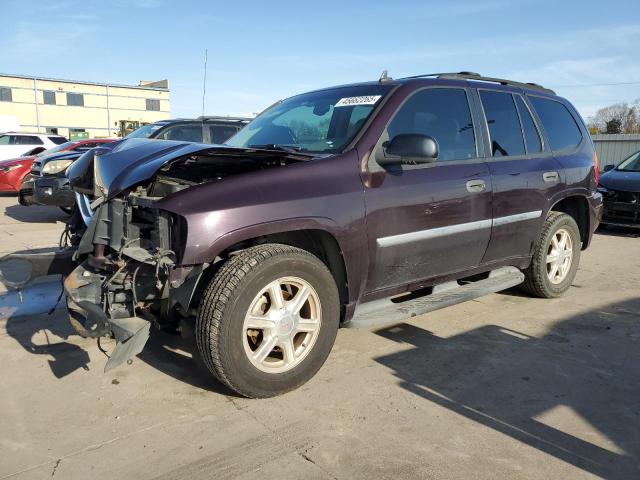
556 257
268 320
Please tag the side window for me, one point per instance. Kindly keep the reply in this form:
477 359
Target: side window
531 135
27 140
442 113
184 133
504 126
57 140
221 133
558 123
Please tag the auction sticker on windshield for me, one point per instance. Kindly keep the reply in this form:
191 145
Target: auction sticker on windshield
362 100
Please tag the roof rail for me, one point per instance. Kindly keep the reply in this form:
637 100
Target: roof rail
220 117
478 77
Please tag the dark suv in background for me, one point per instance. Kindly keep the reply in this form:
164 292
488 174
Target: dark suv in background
205 129
360 205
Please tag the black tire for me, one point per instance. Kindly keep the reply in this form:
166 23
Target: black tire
227 299
537 282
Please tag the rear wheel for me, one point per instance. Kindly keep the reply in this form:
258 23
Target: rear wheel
556 257
268 320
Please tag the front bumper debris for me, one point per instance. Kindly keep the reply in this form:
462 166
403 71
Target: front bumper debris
84 290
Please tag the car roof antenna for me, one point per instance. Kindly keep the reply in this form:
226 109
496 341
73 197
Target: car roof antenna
384 77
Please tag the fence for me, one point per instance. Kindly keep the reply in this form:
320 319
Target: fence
612 149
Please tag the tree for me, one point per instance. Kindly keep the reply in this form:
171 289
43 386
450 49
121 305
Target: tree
617 118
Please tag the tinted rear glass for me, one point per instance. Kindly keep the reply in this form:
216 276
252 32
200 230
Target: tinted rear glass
531 136
58 140
183 132
28 140
504 125
221 133
558 123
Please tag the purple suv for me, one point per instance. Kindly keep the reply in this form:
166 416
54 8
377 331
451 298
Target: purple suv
359 205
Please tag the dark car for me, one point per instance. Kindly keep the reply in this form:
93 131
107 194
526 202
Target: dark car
620 188
214 130
46 183
360 205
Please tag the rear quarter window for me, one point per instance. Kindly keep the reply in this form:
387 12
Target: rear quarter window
58 140
561 128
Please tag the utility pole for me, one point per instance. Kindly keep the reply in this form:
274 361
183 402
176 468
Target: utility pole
204 82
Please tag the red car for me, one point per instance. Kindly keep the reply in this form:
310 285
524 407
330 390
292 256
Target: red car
12 172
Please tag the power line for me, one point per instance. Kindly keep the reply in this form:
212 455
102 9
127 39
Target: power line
577 85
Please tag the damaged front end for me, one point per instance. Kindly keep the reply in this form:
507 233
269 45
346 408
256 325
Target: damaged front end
129 251
123 282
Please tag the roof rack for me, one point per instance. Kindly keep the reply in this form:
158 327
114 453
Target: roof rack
220 117
478 77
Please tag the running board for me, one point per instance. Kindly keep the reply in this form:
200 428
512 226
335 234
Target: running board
385 312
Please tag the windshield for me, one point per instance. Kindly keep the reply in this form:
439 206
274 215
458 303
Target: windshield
145 131
631 164
319 122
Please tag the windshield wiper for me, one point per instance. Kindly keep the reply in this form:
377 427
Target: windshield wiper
280 148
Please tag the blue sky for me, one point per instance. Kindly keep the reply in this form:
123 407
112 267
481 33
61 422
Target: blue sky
261 51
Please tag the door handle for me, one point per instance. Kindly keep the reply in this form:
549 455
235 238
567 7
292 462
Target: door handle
550 177
476 186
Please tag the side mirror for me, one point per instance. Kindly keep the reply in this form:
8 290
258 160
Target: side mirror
608 167
409 148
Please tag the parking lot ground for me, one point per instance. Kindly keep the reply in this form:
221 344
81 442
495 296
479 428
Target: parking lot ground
503 387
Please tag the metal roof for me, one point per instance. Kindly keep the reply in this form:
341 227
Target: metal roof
79 82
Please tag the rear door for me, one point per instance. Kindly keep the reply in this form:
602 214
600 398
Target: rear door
524 173
430 219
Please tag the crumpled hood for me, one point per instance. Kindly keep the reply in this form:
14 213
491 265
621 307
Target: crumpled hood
132 161
621 180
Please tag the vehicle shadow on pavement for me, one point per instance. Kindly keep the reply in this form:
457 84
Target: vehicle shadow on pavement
178 357
513 383
46 334
35 213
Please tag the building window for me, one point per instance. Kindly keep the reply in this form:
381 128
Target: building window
49 97
75 99
52 130
153 104
5 94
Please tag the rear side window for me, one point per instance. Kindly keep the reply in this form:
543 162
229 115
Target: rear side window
221 133
27 140
58 140
560 126
442 113
531 135
185 133
504 125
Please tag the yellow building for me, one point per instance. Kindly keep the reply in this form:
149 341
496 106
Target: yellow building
78 109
